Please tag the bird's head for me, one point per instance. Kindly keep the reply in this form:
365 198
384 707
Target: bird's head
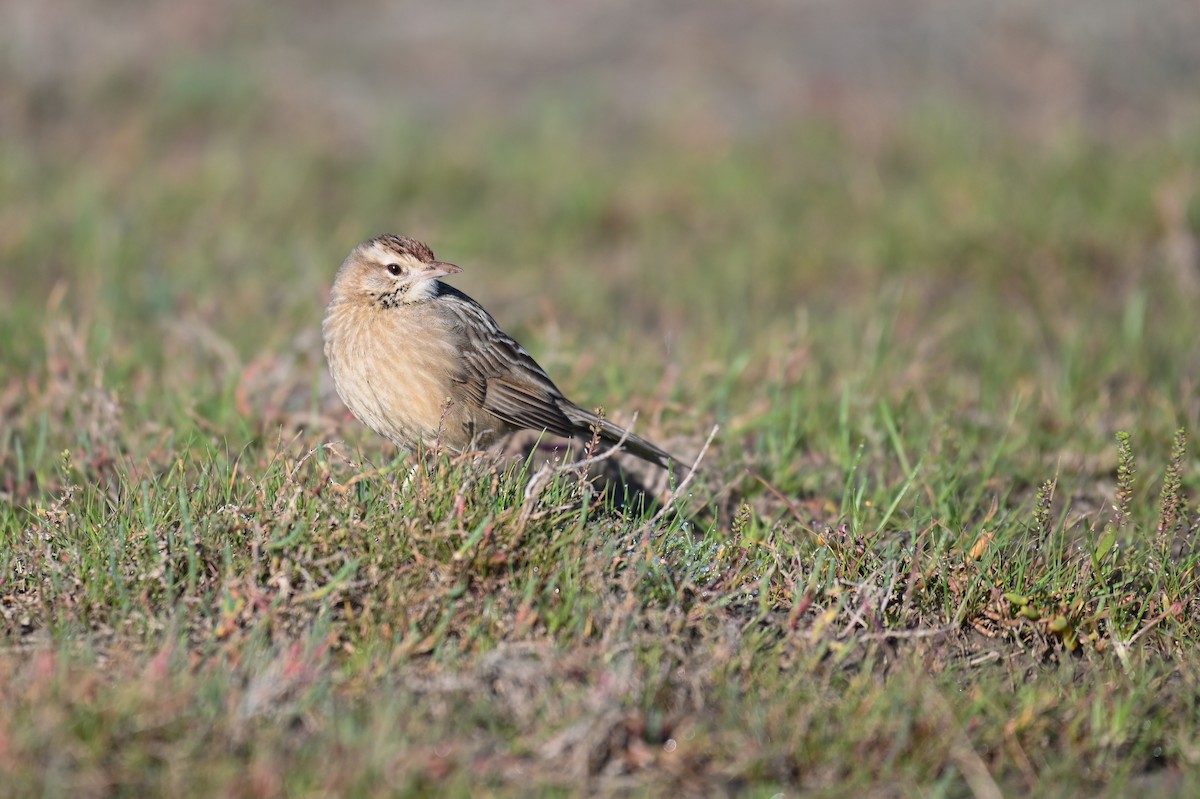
390 270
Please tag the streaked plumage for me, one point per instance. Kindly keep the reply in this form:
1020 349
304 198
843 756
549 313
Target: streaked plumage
423 364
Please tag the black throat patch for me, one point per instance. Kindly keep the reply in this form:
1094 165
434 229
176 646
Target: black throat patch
390 299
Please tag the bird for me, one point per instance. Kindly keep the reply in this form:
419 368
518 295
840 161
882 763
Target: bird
426 366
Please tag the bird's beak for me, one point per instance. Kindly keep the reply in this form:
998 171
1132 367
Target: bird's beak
437 269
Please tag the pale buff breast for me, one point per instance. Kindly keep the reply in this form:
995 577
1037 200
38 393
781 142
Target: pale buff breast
390 367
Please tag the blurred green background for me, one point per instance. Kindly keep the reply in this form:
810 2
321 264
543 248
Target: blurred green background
693 188
703 204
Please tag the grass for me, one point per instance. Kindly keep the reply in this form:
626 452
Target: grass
943 544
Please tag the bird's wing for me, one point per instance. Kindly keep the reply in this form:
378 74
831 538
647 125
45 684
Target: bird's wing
498 375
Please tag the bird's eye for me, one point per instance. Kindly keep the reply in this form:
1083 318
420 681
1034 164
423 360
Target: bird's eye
394 269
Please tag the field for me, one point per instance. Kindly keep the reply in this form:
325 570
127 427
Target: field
941 362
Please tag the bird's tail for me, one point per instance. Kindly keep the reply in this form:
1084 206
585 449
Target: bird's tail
589 424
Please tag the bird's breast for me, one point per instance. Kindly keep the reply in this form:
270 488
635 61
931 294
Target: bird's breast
393 369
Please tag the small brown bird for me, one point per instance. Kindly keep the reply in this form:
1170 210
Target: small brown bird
423 364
